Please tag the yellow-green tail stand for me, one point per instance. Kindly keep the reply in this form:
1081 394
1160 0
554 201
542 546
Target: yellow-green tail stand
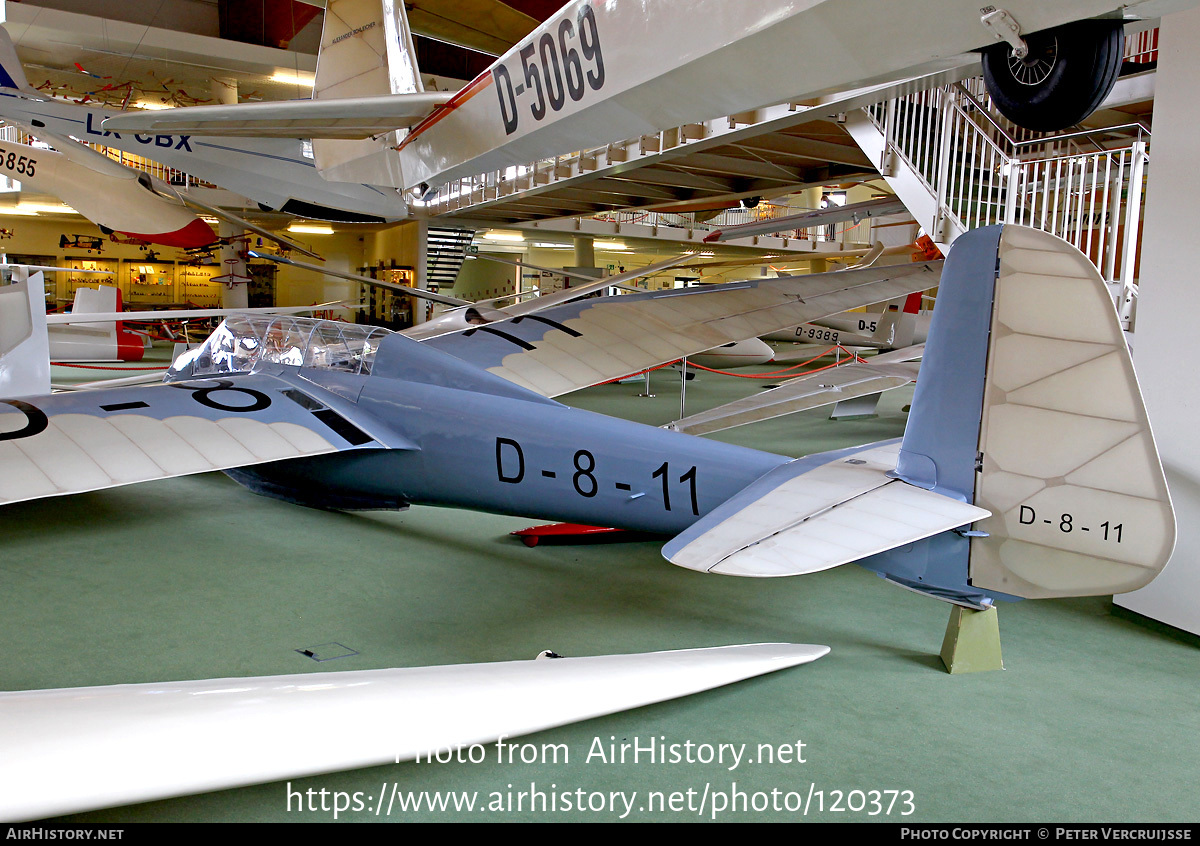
972 642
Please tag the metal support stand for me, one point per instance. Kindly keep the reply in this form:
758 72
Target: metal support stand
683 388
647 393
972 642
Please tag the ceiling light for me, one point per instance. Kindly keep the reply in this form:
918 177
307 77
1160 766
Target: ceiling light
310 229
154 107
503 235
610 245
27 209
292 79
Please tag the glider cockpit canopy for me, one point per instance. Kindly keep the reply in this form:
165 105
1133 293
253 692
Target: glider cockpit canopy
243 341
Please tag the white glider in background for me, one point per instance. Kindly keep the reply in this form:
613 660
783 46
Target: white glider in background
94 329
110 195
118 198
851 381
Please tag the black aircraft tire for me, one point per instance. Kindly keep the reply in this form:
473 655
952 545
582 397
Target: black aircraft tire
1068 73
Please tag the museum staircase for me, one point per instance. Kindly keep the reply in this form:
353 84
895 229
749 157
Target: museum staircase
445 250
958 164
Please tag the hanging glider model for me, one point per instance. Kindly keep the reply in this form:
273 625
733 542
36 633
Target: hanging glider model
595 73
116 198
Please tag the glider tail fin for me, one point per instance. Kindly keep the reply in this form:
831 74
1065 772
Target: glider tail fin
1027 467
12 75
366 51
24 344
1028 406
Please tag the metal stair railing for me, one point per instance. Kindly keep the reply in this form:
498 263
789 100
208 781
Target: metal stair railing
1087 187
446 249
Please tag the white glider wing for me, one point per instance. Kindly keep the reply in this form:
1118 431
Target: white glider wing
349 117
77 749
571 346
814 390
86 441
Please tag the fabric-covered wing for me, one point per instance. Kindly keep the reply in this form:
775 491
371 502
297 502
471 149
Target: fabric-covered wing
571 346
350 117
84 441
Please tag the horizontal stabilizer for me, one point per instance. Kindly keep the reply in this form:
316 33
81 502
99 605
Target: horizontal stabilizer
802 519
347 117
77 749
846 382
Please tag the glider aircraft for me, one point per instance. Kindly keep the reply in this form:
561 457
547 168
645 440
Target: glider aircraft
1016 477
275 173
593 73
118 198
1027 469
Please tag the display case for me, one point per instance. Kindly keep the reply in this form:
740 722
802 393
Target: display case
262 285
390 308
196 287
149 283
68 282
50 277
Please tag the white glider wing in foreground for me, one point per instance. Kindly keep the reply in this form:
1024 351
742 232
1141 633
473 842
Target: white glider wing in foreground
76 749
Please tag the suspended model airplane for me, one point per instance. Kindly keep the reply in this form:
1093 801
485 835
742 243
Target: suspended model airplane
594 73
1027 468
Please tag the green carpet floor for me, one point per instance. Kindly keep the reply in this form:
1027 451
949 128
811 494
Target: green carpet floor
1094 719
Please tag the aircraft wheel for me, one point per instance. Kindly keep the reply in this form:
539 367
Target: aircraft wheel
1066 75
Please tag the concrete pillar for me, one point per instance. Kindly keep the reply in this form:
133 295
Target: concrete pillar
232 296
585 251
422 309
1168 302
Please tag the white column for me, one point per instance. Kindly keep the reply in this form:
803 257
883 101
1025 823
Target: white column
232 296
585 251
422 309
1168 304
